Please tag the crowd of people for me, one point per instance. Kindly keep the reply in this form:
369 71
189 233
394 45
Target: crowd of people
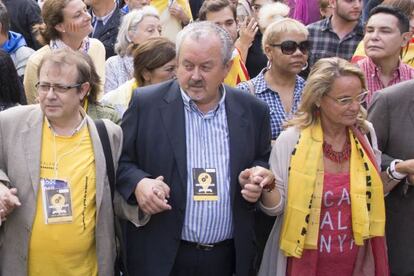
206 137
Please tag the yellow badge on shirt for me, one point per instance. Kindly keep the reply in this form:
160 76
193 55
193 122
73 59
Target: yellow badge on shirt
204 184
57 201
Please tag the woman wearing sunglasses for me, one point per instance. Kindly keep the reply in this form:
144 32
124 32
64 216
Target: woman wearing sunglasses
286 47
329 198
285 44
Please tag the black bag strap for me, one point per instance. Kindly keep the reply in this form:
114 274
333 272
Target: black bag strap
120 264
106 145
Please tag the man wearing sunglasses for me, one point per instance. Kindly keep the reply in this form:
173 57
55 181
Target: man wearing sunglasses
339 34
387 31
55 199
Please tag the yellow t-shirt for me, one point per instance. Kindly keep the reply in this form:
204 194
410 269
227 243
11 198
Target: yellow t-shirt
67 248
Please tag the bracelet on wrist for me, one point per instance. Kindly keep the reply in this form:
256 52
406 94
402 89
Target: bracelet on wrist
390 175
393 172
270 187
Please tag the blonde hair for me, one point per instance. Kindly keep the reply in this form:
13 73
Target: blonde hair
277 29
271 12
319 83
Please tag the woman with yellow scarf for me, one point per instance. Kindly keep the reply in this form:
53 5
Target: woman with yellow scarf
329 200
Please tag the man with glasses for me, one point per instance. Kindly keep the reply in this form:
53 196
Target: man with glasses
387 31
339 34
55 199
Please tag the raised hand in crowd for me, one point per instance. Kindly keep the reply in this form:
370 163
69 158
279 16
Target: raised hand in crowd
178 12
247 31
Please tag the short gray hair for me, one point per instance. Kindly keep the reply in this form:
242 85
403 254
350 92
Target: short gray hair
130 22
198 30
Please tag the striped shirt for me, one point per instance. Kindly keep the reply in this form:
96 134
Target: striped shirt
326 43
278 114
372 75
207 141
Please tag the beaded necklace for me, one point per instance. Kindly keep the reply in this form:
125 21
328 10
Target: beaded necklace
335 156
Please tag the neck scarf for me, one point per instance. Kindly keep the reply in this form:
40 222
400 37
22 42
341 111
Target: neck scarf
302 214
57 44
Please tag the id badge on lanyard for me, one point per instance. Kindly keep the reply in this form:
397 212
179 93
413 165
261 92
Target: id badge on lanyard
57 201
204 184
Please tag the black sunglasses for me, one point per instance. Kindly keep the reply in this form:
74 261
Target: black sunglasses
288 47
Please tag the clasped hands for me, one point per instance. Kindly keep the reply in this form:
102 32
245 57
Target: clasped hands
253 181
407 167
152 195
8 201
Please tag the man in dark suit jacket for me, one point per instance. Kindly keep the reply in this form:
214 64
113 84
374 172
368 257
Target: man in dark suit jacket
106 18
392 114
187 146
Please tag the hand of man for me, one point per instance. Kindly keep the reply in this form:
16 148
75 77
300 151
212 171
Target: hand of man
152 195
8 201
253 181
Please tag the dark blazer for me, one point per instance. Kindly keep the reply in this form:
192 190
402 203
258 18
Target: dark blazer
155 144
109 33
392 114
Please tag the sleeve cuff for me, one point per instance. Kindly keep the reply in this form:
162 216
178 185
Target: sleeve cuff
270 211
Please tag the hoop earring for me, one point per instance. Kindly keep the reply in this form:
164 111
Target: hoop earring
268 65
305 66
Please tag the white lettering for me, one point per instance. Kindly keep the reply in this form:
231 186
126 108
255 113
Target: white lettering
341 243
324 244
327 220
340 227
325 199
345 197
352 244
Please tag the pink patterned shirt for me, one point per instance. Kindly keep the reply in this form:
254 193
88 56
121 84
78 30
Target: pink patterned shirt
372 74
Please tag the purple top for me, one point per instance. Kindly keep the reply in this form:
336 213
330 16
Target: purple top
305 11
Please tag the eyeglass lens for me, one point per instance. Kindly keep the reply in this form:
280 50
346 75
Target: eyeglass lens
289 47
